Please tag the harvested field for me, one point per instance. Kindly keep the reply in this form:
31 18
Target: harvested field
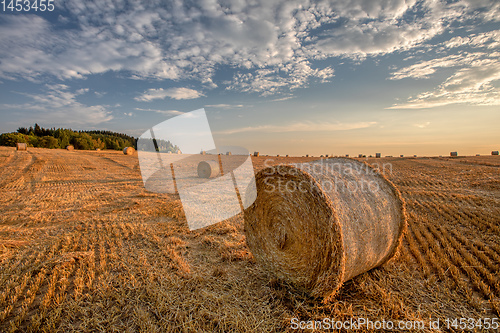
84 247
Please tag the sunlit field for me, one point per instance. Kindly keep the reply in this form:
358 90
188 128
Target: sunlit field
84 247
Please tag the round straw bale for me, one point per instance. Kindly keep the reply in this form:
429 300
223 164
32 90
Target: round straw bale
256 154
21 146
70 147
128 150
318 225
208 169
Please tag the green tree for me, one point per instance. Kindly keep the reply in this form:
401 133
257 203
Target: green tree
48 142
10 139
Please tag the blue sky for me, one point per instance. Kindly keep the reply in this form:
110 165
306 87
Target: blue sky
279 77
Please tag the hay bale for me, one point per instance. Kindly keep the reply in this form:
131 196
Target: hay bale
307 155
208 169
378 155
453 153
203 152
286 155
98 149
70 147
228 153
414 155
21 146
401 155
256 154
495 152
310 228
128 150
478 154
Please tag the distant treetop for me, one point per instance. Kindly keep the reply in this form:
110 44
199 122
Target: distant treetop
60 138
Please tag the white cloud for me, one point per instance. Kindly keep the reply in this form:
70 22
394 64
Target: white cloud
225 106
475 77
82 91
423 125
58 105
271 45
282 99
301 127
174 93
169 112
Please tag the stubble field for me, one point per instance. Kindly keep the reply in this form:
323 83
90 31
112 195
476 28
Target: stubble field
84 247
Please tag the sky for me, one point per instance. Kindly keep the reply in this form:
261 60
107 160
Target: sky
279 77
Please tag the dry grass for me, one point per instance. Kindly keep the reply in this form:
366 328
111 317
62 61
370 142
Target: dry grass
83 247
310 227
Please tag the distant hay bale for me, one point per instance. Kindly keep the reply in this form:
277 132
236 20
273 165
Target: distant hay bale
401 155
495 152
203 152
360 155
478 154
98 149
70 147
278 155
286 155
414 155
208 169
326 155
229 153
346 155
21 146
256 154
314 230
453 153
378 155
128 150
307 155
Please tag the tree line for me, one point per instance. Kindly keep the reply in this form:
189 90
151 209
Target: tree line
60 138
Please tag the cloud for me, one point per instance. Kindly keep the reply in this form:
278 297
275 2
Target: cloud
225 106
301 127
174 93
169 112
474 81
82 91
282 99
58 105
423 125
271 47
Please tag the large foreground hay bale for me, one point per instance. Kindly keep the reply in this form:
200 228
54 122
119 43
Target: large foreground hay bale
21 146
128 150
323 223
208 169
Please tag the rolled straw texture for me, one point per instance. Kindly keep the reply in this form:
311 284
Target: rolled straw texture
311 227
208 169
128 150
